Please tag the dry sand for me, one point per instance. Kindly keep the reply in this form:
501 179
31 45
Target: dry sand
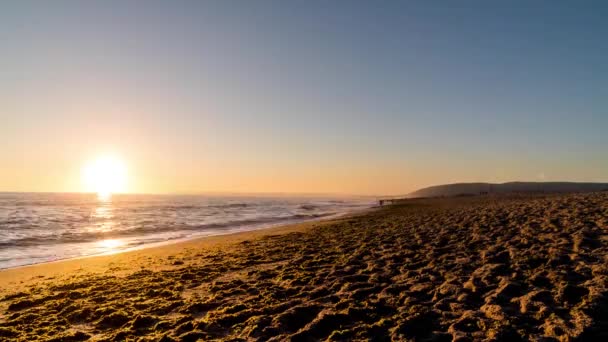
479 268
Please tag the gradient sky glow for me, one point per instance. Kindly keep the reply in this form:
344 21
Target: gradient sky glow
303 96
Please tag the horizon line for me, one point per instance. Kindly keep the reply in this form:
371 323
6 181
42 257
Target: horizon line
286 193
227 193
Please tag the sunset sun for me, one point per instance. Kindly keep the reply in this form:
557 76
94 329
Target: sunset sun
105 175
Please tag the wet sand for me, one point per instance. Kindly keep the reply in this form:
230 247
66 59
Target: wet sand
473 268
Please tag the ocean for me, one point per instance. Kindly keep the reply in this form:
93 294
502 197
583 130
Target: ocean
42 227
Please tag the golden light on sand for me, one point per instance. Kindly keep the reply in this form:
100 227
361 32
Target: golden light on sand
105 175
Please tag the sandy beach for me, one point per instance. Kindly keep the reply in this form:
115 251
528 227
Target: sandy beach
511 267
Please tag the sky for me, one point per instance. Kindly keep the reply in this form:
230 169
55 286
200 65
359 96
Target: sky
350 97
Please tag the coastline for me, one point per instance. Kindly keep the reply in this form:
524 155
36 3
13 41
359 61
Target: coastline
138 257
40 227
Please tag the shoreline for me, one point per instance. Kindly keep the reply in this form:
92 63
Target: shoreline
60 227
24 275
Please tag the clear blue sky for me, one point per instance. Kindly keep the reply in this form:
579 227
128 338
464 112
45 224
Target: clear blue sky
321 96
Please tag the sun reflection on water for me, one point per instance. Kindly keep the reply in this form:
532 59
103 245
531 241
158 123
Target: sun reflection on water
103 212
110 245
103 221
104 197
103 218
102 215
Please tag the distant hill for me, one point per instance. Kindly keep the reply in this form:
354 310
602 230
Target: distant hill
467 189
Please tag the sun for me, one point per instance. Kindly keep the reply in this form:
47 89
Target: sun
105 175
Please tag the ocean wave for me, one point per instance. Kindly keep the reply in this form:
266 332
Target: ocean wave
308 207
145 230
51 226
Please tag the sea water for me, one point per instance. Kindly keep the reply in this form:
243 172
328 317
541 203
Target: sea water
42 227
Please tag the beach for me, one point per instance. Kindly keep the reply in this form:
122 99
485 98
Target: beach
508 267
41 227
